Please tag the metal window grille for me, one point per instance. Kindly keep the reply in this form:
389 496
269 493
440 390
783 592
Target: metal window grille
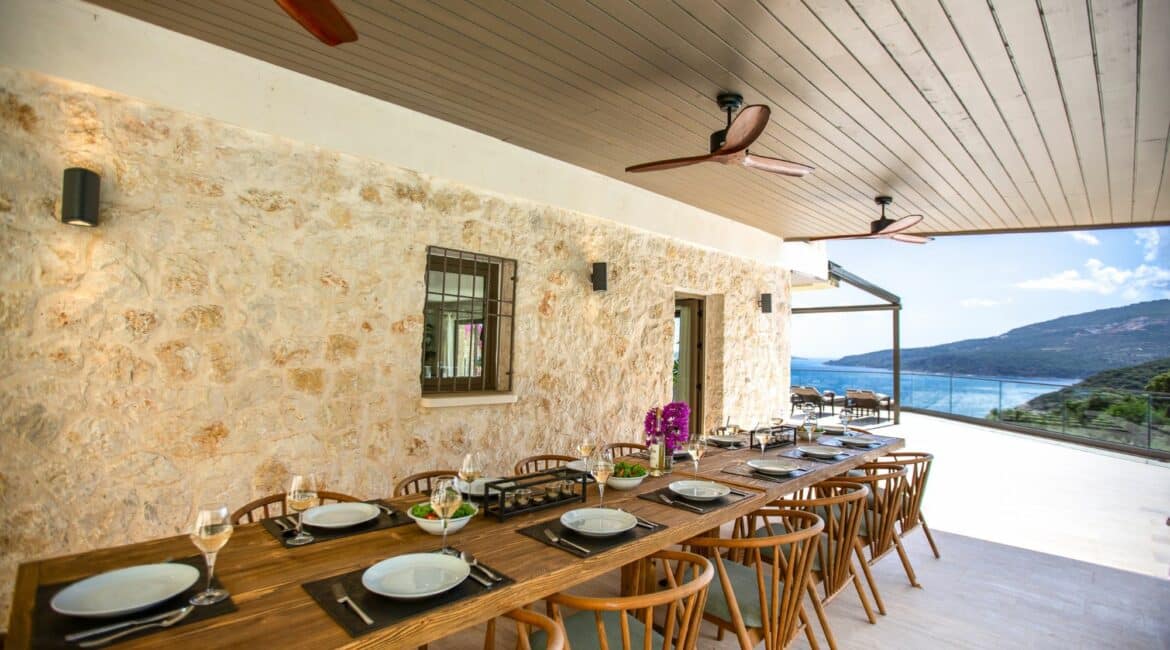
468 322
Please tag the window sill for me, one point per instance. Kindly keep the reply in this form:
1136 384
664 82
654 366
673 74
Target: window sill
443 401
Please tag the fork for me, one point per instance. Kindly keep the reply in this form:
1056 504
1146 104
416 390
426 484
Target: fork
674 502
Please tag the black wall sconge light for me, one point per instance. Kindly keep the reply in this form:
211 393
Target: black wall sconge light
765 303
79 197
598 277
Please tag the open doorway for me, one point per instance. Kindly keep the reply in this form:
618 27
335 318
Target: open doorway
688 357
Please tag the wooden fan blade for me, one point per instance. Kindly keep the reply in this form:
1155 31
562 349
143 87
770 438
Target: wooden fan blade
746 127
840 237
775 165
670 164
909 239
322 19
905 223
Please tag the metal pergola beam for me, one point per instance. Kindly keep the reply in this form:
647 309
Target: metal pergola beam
892 304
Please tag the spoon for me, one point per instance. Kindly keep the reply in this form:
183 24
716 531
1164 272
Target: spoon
470 559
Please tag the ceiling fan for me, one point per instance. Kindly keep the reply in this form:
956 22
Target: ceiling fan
730 145
322 18
885 228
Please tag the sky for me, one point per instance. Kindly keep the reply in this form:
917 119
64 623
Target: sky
976 286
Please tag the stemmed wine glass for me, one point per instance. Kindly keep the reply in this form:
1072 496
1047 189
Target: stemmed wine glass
601 467
209 533
846 416
470 471
586 444
445 500
302 495
809 421
696 446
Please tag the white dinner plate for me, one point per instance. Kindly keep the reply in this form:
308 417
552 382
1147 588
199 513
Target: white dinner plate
476 487
699 490
415 575
860 441
124 591
823 452
774 467
725 440
341 515
578 465
598 522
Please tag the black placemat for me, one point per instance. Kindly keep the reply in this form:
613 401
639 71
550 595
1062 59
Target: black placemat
742 469
49 628
400 518
386 611
701 507
836 441
594 544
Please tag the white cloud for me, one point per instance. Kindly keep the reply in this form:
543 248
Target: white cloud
1106 280
1085 237
1148 239
981 303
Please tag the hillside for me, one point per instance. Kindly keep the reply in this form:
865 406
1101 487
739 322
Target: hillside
1070 346
1134 378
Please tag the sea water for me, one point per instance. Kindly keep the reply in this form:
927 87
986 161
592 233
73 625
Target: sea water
957 394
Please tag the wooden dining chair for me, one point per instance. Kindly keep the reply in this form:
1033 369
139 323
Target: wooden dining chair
620 449
274 505
878 533
841 506
541 462
420 483
917 465
528 624
759 597
665 612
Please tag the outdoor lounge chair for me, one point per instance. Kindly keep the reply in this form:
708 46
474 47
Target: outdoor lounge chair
809 394
865 402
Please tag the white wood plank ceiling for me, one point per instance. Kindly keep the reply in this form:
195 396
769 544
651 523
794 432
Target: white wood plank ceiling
982 115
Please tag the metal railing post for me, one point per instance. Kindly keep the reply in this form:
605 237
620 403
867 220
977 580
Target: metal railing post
1000 409
1149 420
950 393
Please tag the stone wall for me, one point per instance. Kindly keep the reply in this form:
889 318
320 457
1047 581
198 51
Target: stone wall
251 306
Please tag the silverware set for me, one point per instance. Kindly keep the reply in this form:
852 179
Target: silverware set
561 541
125 628
682 504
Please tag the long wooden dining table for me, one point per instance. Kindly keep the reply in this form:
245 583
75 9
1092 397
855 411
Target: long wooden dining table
265 579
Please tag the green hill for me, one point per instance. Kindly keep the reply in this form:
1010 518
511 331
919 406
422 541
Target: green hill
1070 346
1133 378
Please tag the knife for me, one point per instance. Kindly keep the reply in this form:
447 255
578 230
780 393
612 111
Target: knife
85 634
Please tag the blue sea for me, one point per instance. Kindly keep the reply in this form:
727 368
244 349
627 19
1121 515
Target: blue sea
958 394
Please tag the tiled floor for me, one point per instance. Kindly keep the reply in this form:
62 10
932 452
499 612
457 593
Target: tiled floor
1044 545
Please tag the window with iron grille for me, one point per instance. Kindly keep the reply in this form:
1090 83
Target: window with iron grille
467 322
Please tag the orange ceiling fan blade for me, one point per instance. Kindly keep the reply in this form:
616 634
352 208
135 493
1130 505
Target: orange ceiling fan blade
747 126
670 164
322 19
775 165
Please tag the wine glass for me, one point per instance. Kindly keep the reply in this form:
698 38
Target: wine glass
696 446
302 495
445 500
809 420
601 467
846 416
586 445
470 471
209 533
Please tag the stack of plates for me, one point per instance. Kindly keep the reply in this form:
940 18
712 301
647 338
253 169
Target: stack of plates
598 522
415 575
341 515
774 467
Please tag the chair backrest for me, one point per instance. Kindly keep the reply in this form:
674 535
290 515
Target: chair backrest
808 394
541 462
887 484
274 505
840 505
679 603
781 563
865 399
917 465
529 622
620 449
420 483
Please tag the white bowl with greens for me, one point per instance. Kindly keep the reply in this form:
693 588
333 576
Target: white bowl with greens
626 476
425 517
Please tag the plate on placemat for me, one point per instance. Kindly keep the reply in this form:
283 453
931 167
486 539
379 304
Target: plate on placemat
415 575
124 591
598 522
341 515
474 488
822 452
578 465
774 467
723 441
699 490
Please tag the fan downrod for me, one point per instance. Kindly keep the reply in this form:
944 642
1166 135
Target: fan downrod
729 103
